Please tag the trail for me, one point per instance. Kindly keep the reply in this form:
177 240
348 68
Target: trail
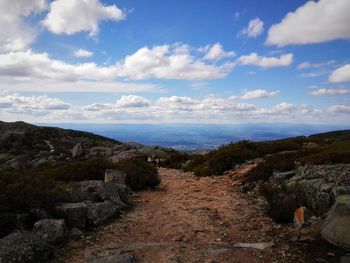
187 219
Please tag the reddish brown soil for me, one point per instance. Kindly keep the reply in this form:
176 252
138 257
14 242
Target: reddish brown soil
188 219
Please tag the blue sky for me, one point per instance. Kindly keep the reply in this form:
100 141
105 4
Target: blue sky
125 61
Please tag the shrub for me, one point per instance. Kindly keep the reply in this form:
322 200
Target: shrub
175 160
262 171
140 174
281 202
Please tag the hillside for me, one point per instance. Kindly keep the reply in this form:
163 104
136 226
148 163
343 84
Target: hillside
71 196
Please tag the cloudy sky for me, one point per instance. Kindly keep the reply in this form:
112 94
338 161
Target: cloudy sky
156 61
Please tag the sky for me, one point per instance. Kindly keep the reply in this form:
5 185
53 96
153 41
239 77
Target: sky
156 61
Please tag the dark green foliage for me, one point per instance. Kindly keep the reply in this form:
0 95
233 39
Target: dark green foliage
79 170
21 191
175 160
262 171
282 162
281 202
140 174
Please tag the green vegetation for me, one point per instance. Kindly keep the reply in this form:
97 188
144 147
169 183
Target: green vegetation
281 202
23 190
281 155
140 174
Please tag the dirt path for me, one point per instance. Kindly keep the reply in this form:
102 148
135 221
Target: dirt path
186 220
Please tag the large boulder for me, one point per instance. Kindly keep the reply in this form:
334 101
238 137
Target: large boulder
50 230
117 176
100 212
336 228
78 150
23 248
97 191
74 213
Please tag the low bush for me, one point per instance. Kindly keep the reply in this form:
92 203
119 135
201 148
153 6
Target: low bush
140 174
175 160
281 202
261 172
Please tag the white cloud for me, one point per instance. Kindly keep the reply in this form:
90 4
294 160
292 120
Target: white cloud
39 65
329 92
216 52
314 22
137 109
339 109
131 101
73 16
266 62
161 62
258 94
32 104
341 74
307 64
169 62
254 28
16 32
83 53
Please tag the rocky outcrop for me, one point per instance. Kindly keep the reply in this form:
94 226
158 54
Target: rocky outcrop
50 230
73 213
78 150
116 176
320 185
23 248
100 212
336 228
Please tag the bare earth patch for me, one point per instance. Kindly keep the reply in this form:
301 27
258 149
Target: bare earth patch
188 219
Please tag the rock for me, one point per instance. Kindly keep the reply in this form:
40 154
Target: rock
40 162
20 162
260 246
97 191
62 156
101 150
50 230
336 228
118 258
345 259
76 233
284 175
340 190
117 176
98 213
23 248
74 213
78 150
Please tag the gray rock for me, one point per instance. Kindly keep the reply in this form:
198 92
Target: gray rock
117 176
76 233
78 150
118 258
23 248
340 190
20 162
50 230
40 162
74 213
336 228
284 175
345 259
97 191
98 213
